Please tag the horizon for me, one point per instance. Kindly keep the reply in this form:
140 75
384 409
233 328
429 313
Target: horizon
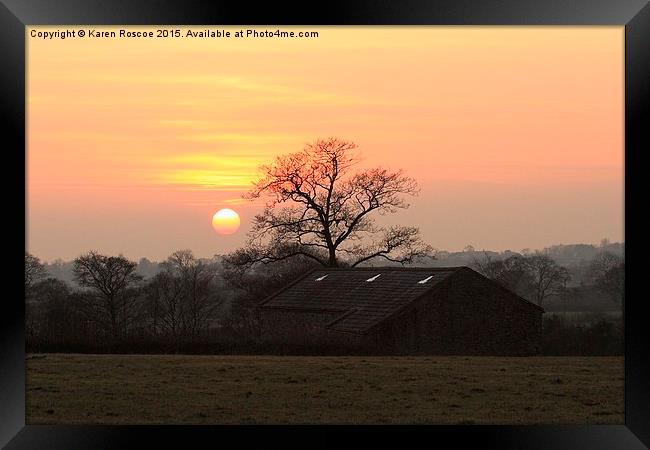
138 259
515 134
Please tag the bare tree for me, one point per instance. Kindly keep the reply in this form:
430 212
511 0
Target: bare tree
164 293
194 279
487 265
252 285
512 272
110 280
608 273
34 272
53 316
548 277
318 209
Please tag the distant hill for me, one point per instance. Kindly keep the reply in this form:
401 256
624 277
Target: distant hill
579 254
564 255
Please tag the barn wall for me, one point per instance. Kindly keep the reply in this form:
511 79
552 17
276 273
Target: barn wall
467 315
486 319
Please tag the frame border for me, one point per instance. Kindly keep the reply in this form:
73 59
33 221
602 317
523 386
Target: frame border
15 15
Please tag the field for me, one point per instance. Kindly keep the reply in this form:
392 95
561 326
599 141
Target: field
172 389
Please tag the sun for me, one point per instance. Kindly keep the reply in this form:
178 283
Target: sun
225 221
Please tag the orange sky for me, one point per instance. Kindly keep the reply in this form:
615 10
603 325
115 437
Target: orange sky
514 133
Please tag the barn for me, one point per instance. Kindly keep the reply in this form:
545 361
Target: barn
394 310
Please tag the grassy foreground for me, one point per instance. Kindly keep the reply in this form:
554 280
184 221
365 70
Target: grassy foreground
173 389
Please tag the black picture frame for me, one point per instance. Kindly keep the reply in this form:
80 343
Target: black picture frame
15 15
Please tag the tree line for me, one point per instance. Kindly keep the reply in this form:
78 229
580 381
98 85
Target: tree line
536 276
194 305
113 304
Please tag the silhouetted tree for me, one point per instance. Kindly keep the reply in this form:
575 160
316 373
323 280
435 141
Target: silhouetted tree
535 276
319 210
164 294
34 271
194 280
548 277
51 315
608 273
112 301
511 272
251 286
488 266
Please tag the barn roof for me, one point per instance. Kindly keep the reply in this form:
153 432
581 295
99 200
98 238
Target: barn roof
363 296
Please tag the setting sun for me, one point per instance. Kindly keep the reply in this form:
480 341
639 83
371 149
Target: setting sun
226 221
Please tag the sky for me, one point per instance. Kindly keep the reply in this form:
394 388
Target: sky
515 134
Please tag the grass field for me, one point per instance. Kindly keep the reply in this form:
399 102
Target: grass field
165 389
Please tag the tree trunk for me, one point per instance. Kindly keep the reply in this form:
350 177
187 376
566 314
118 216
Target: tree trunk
332 262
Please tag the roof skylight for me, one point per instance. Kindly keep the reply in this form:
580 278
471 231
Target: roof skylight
425 280
374 278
